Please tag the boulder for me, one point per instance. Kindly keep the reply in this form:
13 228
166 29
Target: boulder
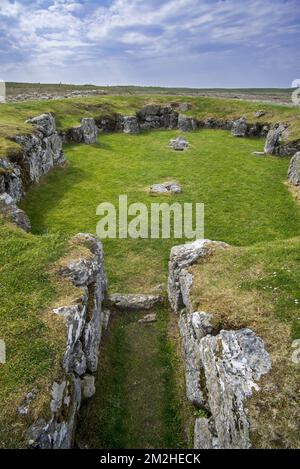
294 170
273 138
134 302
186 124
89 130
181 257
45 123
165 188
13 213
179 144
239 127
130 125
232 362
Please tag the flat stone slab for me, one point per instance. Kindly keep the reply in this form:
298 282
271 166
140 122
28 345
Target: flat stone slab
179 144
148 319
165 188
133 302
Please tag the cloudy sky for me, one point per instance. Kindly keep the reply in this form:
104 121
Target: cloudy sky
196 43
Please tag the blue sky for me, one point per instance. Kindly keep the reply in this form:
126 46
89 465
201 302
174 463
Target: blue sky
195 43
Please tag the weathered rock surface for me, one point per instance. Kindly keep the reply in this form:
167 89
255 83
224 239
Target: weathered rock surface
233 362
183 107
186 124
87 132
181 258
165 188
155 116
204 434
130 125
134 302
294 170
83 319
88 386
193 327
239 127
179 144
14 213
260 113
273 139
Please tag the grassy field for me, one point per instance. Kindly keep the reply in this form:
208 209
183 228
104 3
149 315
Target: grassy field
247 204
69 111
262 94
246 200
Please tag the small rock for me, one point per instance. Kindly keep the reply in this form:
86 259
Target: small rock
148 319
24 408
259 153
165 188
89 130
179 144
14 213
134 302
260 113
88 386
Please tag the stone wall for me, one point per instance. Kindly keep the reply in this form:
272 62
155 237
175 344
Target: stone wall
84 319
221 367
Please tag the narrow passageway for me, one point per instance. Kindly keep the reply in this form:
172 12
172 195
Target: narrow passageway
137 402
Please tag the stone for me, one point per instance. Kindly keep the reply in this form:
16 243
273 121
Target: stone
239 127
148 319
89 130
273 138
134 302
165 188
130 125
181 257
185 124
11 179
13 213
183 107
88 386
294 170
179 144
24 408
233 362
204 437
193 327
105 318
259 153
260 113
45 123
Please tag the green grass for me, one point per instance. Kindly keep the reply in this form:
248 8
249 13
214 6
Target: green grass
136 405
246 202
34 340
246 199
